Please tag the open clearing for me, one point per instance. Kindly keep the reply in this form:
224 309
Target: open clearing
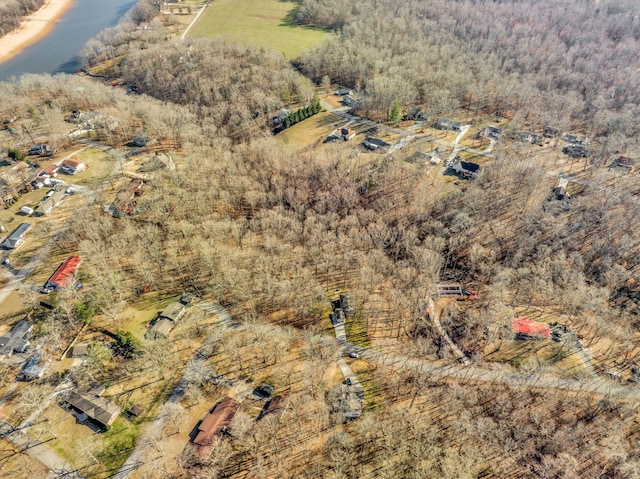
267 23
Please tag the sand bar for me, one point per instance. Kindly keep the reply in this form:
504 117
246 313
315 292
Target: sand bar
33 28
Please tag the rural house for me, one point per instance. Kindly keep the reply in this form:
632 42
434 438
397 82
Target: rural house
466 169
16 238
12 181
624 162
214 425
576 139
350 102
65 274
49 204
71 167
34 368
346 134
40 149
166 320
16 340
344 91
91 404
446 124
525 328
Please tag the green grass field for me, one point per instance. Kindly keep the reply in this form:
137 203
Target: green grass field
265 23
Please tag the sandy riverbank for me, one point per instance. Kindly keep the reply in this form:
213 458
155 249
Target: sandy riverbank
33 28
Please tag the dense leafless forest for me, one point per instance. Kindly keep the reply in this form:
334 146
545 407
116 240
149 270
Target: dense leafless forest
549 63
271 231
13 11
226 85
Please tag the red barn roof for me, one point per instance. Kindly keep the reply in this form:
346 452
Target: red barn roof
532 328
218 419
63 277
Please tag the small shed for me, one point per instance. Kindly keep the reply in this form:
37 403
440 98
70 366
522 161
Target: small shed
274 406
80 350
624 162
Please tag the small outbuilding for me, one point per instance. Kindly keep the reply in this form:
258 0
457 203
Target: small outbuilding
72 166
274 406
174 311
159 329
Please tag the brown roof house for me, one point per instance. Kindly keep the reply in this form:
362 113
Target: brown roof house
213 426
91 404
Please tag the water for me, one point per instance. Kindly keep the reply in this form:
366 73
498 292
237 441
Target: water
57 51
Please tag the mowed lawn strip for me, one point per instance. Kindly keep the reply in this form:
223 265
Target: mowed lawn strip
258 22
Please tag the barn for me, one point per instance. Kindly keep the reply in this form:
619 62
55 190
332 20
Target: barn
525 328
64 275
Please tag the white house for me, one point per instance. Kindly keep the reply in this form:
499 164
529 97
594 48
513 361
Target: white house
71 167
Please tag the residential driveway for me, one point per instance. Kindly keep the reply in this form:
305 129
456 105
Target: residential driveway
136 459
592 385
30 446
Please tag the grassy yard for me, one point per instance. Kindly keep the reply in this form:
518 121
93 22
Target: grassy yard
267 23
313 130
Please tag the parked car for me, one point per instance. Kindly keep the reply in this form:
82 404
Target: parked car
354 354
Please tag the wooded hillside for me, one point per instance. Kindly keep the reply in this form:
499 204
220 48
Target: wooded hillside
548 63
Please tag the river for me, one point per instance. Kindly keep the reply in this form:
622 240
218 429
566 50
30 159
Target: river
57 51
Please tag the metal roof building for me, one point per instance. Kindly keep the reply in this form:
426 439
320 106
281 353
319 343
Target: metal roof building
64 275
527 327
16 238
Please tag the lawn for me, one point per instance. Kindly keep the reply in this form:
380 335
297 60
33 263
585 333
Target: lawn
266 23
313 130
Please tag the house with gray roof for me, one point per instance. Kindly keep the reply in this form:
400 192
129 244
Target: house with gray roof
16 340
17 236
